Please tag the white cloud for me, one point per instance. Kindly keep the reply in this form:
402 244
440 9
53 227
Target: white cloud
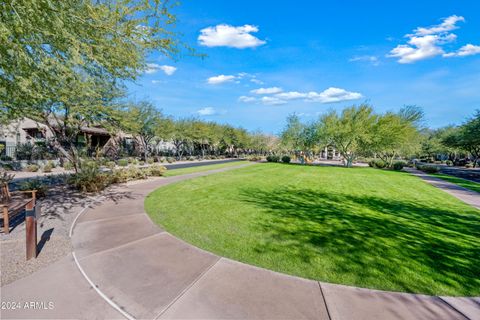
224 35
420 48
220 79
272 101
333 94
329 95
153 68
427 42
254 80
271 90
447 25
207 111
291 95
247 99
156 81
372 59
466 50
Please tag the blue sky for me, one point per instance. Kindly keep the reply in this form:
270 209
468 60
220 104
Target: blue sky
267 59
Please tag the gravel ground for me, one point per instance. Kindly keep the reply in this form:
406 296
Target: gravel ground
57 213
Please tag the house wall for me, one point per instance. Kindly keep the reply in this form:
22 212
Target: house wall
13 133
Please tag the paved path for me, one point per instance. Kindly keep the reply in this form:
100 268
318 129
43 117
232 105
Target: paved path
463 194
124 266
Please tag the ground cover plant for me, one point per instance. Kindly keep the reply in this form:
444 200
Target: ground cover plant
380 229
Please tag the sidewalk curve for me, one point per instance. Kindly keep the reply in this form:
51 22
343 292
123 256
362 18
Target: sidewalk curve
141 271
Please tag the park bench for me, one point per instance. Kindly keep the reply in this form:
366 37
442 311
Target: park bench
13 204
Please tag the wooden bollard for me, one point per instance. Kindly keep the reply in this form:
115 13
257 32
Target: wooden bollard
31 232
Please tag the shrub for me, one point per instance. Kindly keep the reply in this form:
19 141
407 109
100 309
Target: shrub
32 168
286 159
161 159
5 158
428 169
150 160
156 171
123 162
90 179
254 158
449 163
110 165
377 163
469 165
8 167
68 165
273 158
34 184
51 163
47 168
170 160
398 165
141 163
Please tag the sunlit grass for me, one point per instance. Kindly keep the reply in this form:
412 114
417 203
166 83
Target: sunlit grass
202 168
361 226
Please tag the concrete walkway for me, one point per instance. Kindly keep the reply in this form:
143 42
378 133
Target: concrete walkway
124 266
463 194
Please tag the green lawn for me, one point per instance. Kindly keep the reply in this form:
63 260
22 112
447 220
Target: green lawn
205 167
361 226
474 186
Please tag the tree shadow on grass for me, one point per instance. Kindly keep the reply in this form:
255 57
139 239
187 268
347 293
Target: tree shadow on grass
390 244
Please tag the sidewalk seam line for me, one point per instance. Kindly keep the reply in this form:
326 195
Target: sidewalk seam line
181 294
121 246
100 293
113 218
452 307
324 300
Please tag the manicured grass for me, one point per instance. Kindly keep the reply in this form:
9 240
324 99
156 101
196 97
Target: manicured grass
361 226
205 167
474 186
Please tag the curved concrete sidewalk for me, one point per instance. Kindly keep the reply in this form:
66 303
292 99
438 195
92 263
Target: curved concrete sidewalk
146 273
463 194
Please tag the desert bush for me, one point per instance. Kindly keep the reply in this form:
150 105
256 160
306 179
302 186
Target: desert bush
377 163
34 184
47 168
122 162
67 165
155 171
90 179
398 165
7 166
273 158
32 168
428 168
110 165
286 159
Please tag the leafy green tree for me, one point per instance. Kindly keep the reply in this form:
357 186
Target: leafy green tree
396 134
64 63
466 137
143 121
292 136
349 131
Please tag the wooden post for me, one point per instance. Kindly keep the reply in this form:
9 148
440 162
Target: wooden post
31 230
6 220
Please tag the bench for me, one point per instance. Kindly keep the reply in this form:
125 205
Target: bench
13 204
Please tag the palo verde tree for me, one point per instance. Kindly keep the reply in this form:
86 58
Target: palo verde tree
143 121
467 137
349 131
63 63
396 134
